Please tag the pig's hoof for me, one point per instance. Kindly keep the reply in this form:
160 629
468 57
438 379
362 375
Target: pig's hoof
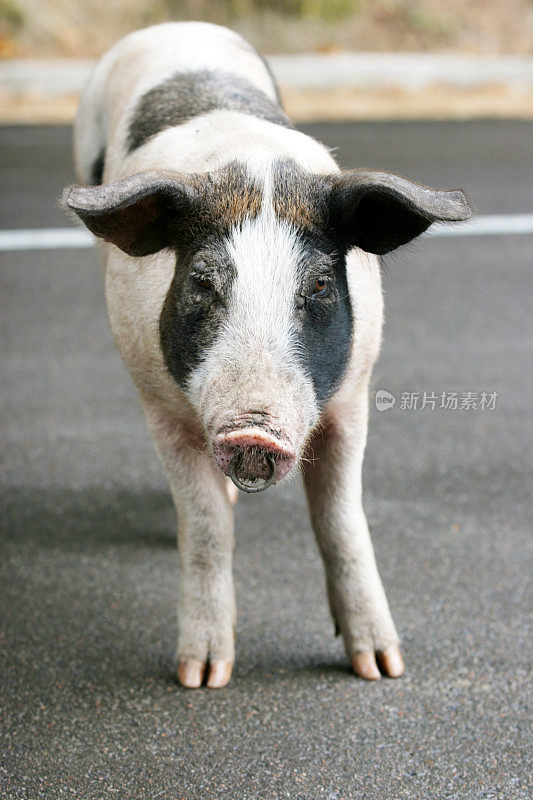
372 666
191 672
219 674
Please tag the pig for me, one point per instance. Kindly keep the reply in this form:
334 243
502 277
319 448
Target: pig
242 275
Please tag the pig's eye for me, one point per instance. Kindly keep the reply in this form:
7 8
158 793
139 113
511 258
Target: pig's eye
321 286
204 283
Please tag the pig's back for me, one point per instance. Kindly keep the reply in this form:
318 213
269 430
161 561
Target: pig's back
162 76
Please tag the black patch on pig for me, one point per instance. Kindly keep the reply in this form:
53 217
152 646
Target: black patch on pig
192 313
190 94
97 169
325 330
325 324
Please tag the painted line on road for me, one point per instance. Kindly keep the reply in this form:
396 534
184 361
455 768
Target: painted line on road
488 225
73 238
45 239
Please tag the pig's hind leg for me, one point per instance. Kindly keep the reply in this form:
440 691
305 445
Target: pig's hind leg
358 603
206 604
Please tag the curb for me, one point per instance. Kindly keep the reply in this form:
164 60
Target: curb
403 71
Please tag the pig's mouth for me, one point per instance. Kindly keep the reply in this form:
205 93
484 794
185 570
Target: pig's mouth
253 457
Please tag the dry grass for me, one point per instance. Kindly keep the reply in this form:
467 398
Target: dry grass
89 27
438 102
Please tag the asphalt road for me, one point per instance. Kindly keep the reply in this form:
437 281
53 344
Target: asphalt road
89 704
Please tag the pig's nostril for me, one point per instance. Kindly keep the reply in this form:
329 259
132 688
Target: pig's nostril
240 477
260 457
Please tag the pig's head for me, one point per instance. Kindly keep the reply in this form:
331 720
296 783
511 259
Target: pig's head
256 327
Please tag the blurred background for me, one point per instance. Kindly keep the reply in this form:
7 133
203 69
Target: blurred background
435 59
89 27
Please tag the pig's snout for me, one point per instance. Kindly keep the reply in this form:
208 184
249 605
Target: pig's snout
253 457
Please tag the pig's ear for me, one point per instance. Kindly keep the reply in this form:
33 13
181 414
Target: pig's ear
378 211
140 214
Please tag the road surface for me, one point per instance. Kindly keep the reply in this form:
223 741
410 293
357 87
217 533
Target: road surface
89 704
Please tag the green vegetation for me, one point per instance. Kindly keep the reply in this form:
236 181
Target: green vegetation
426 21
238 9
10 15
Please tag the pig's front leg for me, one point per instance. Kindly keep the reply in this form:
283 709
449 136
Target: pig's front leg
357 599
206 604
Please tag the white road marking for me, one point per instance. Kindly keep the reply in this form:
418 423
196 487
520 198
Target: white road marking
489 225
45 239
73 238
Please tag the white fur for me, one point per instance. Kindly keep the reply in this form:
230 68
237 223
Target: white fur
254 346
